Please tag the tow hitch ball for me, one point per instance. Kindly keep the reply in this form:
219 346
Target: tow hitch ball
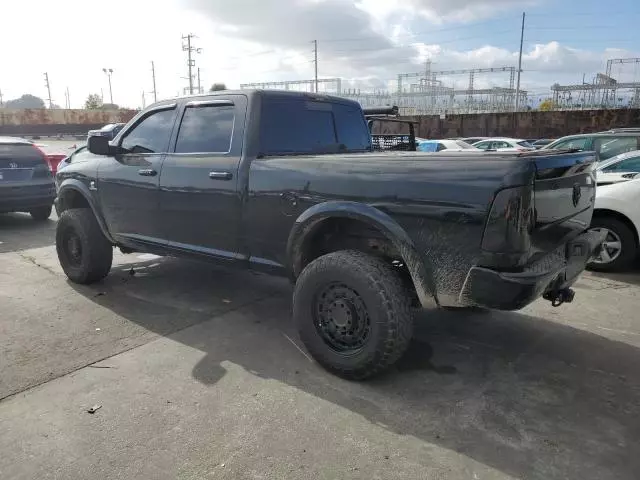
558 297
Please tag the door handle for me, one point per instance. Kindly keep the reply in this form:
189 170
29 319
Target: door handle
147 172
220 175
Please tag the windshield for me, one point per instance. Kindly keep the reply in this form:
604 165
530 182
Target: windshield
465 145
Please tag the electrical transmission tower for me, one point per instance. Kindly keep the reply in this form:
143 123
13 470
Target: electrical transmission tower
187 46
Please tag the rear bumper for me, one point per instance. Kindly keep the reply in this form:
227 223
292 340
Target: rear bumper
512 291
23 198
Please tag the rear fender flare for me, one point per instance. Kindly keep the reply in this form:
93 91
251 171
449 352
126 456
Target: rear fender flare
311 219
73 185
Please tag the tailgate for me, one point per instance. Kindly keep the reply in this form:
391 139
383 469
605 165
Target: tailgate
564 196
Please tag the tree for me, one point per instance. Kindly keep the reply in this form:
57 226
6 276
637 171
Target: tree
109 106
25 101
93 102
547 105
216 87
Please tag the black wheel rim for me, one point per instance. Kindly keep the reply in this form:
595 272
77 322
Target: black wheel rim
341 318
72 247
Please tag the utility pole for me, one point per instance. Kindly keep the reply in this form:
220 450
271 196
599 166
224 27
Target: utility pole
153 74
67 99
144 100
190 49
315 61
519 66
46 84
1 104
108 72
199 87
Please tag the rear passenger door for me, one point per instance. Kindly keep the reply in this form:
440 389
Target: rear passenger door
199 201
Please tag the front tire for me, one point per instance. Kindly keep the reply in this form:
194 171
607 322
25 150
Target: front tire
619 249
41 213
353 313
84 252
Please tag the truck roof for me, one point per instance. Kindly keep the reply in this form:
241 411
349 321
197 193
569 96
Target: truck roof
272 93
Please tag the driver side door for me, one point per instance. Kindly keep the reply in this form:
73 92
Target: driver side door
128 183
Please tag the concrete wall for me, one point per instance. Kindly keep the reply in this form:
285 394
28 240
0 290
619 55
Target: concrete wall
522 125
55 122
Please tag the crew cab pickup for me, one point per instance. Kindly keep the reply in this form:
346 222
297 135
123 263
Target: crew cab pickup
287 183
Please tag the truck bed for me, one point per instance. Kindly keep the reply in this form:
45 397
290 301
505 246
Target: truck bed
503 211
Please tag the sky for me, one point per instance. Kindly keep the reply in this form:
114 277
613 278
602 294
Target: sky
364 42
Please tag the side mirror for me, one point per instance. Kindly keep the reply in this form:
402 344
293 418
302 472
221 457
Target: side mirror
100 146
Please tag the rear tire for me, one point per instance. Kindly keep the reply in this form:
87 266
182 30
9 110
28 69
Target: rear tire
41 213
353 313
84 252
622 258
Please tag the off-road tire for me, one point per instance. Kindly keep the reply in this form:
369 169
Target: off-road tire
96 252
386 299
41 214
629 251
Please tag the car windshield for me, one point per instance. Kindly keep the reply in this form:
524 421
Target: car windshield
525 144
465 145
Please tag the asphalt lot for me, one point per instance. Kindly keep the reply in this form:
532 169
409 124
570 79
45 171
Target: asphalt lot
199 374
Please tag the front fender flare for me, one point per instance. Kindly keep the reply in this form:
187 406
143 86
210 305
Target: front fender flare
311 219
74 185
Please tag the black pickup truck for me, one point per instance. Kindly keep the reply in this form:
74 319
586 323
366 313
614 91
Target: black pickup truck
287 183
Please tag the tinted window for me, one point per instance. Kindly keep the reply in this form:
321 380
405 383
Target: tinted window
627 165
496 145
152 134
610 146
441 147
300 126
482 145
525 144
351 127
581 143
206 129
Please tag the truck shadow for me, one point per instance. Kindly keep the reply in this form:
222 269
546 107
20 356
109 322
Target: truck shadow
524 395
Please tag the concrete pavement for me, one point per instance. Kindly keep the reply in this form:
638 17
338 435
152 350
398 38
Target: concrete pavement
200 375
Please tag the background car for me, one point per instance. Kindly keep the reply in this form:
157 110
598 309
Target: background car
617 214
621 168
26 181
110 130
472 140
537 144
440 145
504 145
606 145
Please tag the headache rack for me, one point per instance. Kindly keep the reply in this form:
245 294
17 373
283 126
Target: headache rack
390 142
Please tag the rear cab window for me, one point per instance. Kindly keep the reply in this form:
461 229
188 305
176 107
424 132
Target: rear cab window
306 126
